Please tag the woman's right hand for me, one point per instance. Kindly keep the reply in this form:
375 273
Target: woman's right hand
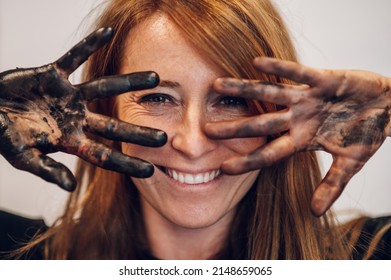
42 112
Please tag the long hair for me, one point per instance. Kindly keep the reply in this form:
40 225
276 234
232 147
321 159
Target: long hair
273 221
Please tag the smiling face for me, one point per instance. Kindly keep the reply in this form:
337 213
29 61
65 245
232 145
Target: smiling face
187 189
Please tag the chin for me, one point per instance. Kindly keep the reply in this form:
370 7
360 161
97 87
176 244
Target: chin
194 218
180 199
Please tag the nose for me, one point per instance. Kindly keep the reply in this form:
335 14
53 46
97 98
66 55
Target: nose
189 138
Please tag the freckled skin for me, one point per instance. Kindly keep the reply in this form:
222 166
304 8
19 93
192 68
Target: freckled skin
41 112
345 113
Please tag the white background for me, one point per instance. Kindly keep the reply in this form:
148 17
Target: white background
194 269
327 33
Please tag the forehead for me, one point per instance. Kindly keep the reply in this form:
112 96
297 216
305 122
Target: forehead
158 44
153 41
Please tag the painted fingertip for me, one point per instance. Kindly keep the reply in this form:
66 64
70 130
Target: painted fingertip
323 198
217 84
68 183
231 84
152 78
318 208
143 80
210 130
106 33
161 138
229 167
263 63
259 60
144 171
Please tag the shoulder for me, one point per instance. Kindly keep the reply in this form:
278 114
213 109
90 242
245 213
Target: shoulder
15 231
374 241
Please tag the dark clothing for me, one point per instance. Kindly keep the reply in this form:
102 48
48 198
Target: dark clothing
16 231
383 249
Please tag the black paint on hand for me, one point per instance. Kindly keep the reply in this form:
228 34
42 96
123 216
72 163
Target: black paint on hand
41 112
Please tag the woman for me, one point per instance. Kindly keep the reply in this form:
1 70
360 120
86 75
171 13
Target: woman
190 208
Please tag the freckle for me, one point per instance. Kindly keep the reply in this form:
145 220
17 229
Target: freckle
45 119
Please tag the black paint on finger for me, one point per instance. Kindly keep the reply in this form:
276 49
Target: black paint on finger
79 53
114 85
114 129
4 122
107 158
55 172
133 167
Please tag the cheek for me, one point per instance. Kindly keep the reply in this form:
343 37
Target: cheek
149 153
137 115
232 147
244 146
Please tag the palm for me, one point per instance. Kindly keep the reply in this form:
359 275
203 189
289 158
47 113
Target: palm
41 112
345 113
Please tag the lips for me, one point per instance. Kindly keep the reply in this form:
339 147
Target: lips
192 179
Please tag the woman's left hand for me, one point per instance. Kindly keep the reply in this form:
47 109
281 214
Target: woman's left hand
345 113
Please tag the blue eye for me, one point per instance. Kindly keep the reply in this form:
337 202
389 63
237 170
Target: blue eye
156 98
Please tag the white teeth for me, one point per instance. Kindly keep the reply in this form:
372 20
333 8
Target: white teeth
189 179
181 178
198 179
193 179
206 177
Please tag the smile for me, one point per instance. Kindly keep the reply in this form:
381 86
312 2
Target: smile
192 179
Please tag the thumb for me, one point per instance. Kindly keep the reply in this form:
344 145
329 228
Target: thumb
333 184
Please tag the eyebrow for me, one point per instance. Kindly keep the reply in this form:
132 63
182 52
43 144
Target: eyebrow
169 84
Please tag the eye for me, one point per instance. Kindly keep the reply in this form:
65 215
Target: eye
156 99
232 101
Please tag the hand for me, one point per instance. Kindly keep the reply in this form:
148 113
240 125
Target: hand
41 112
345 113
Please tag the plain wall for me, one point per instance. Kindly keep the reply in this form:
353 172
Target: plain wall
327 33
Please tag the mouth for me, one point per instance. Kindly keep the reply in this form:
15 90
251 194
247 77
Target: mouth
191 179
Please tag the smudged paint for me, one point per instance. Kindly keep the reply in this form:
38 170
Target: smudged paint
367 132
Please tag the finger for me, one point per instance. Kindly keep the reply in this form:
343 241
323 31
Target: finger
110 159
287 69
267 155
80 52
48 169
262 125
264 91
114 85
121 131
332 185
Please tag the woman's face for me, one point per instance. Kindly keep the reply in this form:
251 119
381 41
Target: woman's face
187 188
